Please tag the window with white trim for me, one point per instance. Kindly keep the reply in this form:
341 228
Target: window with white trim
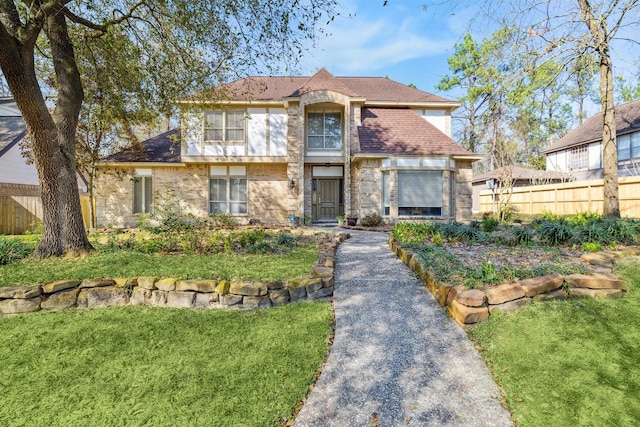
624 147
324 130
635 145
228 190
224 126
142 194
579 157
420 193
386 194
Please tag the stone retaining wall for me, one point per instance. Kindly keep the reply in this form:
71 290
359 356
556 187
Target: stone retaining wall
473 306
171 292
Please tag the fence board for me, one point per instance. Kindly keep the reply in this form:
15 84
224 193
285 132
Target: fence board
19 213
569 198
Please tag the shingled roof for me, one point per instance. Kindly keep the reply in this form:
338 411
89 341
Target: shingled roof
163 148
398 131
627 120
12 127
519 173
373 89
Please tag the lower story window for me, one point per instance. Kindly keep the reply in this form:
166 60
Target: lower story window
420 193
228 190
386 194
142 194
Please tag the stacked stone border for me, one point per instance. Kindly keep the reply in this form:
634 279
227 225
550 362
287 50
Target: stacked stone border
171 292
468 307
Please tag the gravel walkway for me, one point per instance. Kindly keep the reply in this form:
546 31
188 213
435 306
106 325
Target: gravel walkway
397 359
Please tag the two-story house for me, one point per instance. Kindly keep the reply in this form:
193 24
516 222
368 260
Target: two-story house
266 148
579 152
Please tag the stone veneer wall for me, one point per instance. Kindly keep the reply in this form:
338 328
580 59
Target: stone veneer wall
268 193
463 191
169 292
472 306
369 190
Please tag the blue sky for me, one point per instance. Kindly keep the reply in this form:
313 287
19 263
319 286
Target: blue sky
403 41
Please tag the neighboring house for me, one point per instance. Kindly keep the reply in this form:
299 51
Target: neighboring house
579 152
17 177
310 147
514 176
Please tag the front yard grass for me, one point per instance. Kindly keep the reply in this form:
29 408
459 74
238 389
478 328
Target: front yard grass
568 363
160 366
127 263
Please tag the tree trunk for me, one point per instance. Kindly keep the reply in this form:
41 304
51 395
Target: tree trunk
610 151
600 34
21 79
65 116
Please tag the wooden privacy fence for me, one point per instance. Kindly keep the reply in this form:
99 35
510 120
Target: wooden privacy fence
568 198
19 213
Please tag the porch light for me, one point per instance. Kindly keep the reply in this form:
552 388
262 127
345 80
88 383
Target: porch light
292 183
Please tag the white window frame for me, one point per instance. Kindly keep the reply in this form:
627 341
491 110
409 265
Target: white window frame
226 127
324 134
386 193
231 176
579 158
139 183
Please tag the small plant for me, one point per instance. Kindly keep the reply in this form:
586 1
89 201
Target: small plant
489 224
12 250
522 235
340 220
34 229
555 232
371 220
437 239
222 220
591 247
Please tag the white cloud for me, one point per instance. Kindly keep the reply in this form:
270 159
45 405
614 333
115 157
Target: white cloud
362 43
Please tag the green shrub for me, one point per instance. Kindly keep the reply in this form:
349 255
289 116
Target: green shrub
555 233
591 247
508 212
490 224
371 220
522 235
12 250
581 219
407 233
222 220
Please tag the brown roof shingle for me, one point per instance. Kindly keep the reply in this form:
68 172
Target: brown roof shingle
627 120
263 88
520 173
163 148
401 131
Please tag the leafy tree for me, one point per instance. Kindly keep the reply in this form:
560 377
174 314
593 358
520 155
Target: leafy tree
566 32
628 90
181 46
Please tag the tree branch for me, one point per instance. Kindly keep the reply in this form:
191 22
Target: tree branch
100 29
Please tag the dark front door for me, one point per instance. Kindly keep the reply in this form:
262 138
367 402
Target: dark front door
327 204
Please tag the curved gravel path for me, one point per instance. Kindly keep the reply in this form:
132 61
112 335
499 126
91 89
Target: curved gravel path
397 359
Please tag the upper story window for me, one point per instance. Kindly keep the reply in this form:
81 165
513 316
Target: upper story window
224 126
579 158
324 130
628 146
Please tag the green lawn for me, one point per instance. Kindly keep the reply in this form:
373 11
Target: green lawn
293 264
569 363
145 366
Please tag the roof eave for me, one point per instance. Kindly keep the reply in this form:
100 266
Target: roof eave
234 102
112 163
425 104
